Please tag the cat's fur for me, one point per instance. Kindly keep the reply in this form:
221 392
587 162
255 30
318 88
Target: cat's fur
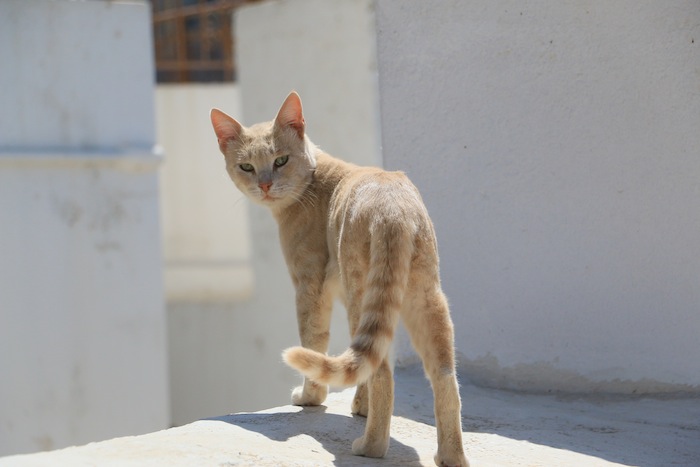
361 234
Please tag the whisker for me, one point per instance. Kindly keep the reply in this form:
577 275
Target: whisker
241 197
306 198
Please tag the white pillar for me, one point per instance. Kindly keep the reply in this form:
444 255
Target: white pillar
82 326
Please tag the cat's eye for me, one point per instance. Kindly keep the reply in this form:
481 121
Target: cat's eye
280 161
247 167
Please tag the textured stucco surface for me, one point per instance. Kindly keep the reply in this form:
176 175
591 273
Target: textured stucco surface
82 322
556 147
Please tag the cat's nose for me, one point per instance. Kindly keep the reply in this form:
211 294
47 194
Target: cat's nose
265 186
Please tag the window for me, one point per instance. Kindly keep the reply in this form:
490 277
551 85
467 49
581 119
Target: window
194 40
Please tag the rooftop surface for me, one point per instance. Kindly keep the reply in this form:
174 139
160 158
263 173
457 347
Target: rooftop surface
500 429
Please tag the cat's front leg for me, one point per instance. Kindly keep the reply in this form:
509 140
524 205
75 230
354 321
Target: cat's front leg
309 394
360 403
314 318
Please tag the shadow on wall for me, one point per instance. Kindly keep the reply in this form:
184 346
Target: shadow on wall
541 377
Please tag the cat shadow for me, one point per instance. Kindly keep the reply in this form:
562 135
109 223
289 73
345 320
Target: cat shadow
333 431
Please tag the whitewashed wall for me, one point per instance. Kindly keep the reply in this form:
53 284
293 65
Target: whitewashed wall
207 253
556 145
82 324
205 219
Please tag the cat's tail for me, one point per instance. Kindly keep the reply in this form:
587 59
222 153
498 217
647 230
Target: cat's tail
391 251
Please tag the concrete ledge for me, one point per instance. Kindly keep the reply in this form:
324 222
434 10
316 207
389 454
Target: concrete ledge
501 428
208 281
129 160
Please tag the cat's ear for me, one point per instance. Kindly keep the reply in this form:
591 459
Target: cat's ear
226 128
291 115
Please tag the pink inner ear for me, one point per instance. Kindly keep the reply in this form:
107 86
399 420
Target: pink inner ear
291 114
226 128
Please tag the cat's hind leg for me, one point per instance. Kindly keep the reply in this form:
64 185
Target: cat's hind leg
430 327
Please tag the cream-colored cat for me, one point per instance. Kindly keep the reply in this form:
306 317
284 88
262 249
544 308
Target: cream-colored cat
361 234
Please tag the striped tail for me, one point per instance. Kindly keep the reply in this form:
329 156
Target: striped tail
391 250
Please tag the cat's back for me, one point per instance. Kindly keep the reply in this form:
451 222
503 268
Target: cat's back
369 198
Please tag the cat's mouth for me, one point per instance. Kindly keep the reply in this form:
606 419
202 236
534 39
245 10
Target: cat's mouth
268 198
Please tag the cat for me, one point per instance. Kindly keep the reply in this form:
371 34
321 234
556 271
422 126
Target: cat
361 234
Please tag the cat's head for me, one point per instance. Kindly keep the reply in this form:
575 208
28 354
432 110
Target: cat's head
272 163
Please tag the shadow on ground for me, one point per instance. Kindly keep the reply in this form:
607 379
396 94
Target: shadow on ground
335 432
500 428
628 431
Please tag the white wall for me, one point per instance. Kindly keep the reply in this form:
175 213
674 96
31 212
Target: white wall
556 145
326 52
207 251
205 230
82 339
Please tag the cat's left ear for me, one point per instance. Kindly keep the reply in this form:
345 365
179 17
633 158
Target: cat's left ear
226 128
291 115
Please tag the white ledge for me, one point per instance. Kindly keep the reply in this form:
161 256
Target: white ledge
129 160
500 429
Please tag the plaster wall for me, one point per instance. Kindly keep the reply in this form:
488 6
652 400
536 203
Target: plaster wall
206 241
207 250
556 146
82 333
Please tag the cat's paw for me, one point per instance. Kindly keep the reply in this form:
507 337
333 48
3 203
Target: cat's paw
455 460
360 403
309 394
375 448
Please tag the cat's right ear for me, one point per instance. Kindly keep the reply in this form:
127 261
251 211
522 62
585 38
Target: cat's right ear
226 128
